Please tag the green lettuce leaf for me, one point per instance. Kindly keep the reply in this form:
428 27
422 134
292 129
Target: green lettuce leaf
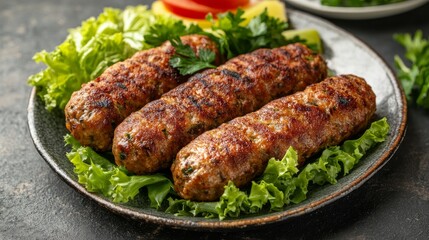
282 183
99 175
182 207
89 49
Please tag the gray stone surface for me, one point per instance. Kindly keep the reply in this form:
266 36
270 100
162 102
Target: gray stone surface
36 204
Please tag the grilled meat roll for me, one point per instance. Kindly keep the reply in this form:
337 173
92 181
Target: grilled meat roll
324 114
95 110
149 139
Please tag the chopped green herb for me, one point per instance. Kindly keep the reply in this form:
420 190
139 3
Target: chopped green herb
187 171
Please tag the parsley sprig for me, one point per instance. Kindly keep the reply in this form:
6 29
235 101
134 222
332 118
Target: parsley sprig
169 29
415 78
235 38
231 34
187 62
184 59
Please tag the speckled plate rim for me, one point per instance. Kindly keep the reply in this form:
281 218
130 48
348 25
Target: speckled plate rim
356 13
195 223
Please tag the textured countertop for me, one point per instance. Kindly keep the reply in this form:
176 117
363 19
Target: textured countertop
36 204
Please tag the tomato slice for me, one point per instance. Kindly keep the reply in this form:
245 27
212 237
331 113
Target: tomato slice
223 4
198 9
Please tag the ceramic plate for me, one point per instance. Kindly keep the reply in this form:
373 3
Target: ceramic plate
314 6
344 54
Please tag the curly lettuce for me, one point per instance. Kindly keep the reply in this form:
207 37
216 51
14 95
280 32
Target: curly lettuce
88 50
99 175
282 183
